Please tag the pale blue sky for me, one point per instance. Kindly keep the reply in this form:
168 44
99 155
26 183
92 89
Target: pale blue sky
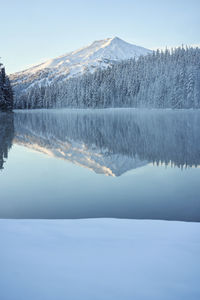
33 31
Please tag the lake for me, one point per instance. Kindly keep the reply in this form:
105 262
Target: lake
116 163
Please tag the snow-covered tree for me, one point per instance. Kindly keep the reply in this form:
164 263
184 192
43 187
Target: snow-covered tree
6 94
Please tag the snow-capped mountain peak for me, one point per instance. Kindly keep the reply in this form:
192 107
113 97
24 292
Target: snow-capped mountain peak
87 59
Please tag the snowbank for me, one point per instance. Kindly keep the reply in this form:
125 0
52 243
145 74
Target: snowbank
99 259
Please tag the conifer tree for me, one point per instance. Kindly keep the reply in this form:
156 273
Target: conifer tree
6 93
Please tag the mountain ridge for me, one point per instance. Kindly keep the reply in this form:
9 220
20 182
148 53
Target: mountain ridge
99 54
96 45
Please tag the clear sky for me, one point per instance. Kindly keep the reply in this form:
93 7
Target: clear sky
32 31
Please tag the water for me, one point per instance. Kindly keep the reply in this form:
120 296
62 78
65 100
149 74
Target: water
120 163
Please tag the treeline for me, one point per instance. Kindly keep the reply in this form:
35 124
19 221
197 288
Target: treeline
6 94
163 79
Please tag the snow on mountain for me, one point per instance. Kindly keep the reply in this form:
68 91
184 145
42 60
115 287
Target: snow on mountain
99 54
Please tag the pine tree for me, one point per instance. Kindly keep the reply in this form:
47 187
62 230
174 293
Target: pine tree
6 94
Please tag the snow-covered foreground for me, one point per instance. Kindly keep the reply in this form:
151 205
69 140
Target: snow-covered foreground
99 259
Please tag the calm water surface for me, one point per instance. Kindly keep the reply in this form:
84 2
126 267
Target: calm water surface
124 163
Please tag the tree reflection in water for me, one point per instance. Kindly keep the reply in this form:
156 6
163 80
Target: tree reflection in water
6 135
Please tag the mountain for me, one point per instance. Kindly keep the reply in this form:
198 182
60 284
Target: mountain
87 59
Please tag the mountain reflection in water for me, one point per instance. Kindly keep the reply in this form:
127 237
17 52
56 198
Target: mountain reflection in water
112 142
